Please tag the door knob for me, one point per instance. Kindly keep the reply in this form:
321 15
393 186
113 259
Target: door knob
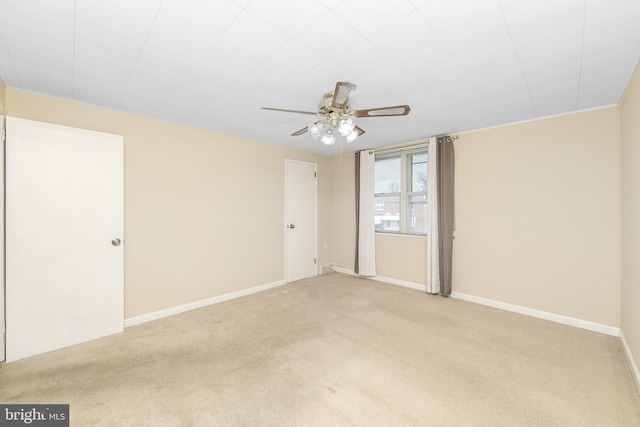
115 242
291 226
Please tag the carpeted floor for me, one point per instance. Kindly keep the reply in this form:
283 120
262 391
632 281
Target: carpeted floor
337 350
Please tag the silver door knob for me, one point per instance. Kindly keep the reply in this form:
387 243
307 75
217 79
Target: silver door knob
291 226
115 242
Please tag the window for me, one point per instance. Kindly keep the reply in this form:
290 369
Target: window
401 191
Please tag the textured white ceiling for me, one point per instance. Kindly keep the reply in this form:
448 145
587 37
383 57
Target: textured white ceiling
460 64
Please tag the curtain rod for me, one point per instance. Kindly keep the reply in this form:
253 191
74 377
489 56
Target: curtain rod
414 144
449 137
405 145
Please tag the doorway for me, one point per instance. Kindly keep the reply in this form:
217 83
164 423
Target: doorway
301 226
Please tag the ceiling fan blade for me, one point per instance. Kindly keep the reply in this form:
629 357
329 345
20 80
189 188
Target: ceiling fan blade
300 132
290 111
341 95
360 130
398 110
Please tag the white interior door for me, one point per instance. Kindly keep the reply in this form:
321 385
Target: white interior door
64 212
301 219
2 328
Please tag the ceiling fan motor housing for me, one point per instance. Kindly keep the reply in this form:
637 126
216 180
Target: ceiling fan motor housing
325 105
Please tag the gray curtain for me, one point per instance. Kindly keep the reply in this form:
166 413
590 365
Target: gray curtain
445 167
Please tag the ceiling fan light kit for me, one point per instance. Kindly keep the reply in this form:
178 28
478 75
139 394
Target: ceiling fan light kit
328 138
347 127
335 113
314 129
352 136
324 130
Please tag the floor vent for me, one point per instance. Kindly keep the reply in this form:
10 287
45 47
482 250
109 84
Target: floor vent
326 269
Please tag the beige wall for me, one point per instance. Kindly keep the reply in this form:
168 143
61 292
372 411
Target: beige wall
344 222
537 218
3 91
402 257
538 215
204 212
630 189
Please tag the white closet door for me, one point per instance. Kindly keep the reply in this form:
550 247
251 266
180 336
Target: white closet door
64 222
301 219
2 327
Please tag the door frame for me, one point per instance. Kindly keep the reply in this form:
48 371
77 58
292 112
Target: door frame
287 162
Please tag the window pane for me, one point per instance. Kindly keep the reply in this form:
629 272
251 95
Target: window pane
418 173
388 175
387 218
418 224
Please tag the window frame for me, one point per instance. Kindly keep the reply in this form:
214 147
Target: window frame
405 195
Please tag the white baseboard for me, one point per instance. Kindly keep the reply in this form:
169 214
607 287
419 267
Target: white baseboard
403 283
389 280
343 270
557 318
198 304
632 362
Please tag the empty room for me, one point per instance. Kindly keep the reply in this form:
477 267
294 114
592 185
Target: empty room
320 212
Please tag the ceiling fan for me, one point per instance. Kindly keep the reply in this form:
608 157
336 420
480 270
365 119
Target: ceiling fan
336 115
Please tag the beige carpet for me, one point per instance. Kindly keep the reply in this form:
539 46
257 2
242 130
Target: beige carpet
337 350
